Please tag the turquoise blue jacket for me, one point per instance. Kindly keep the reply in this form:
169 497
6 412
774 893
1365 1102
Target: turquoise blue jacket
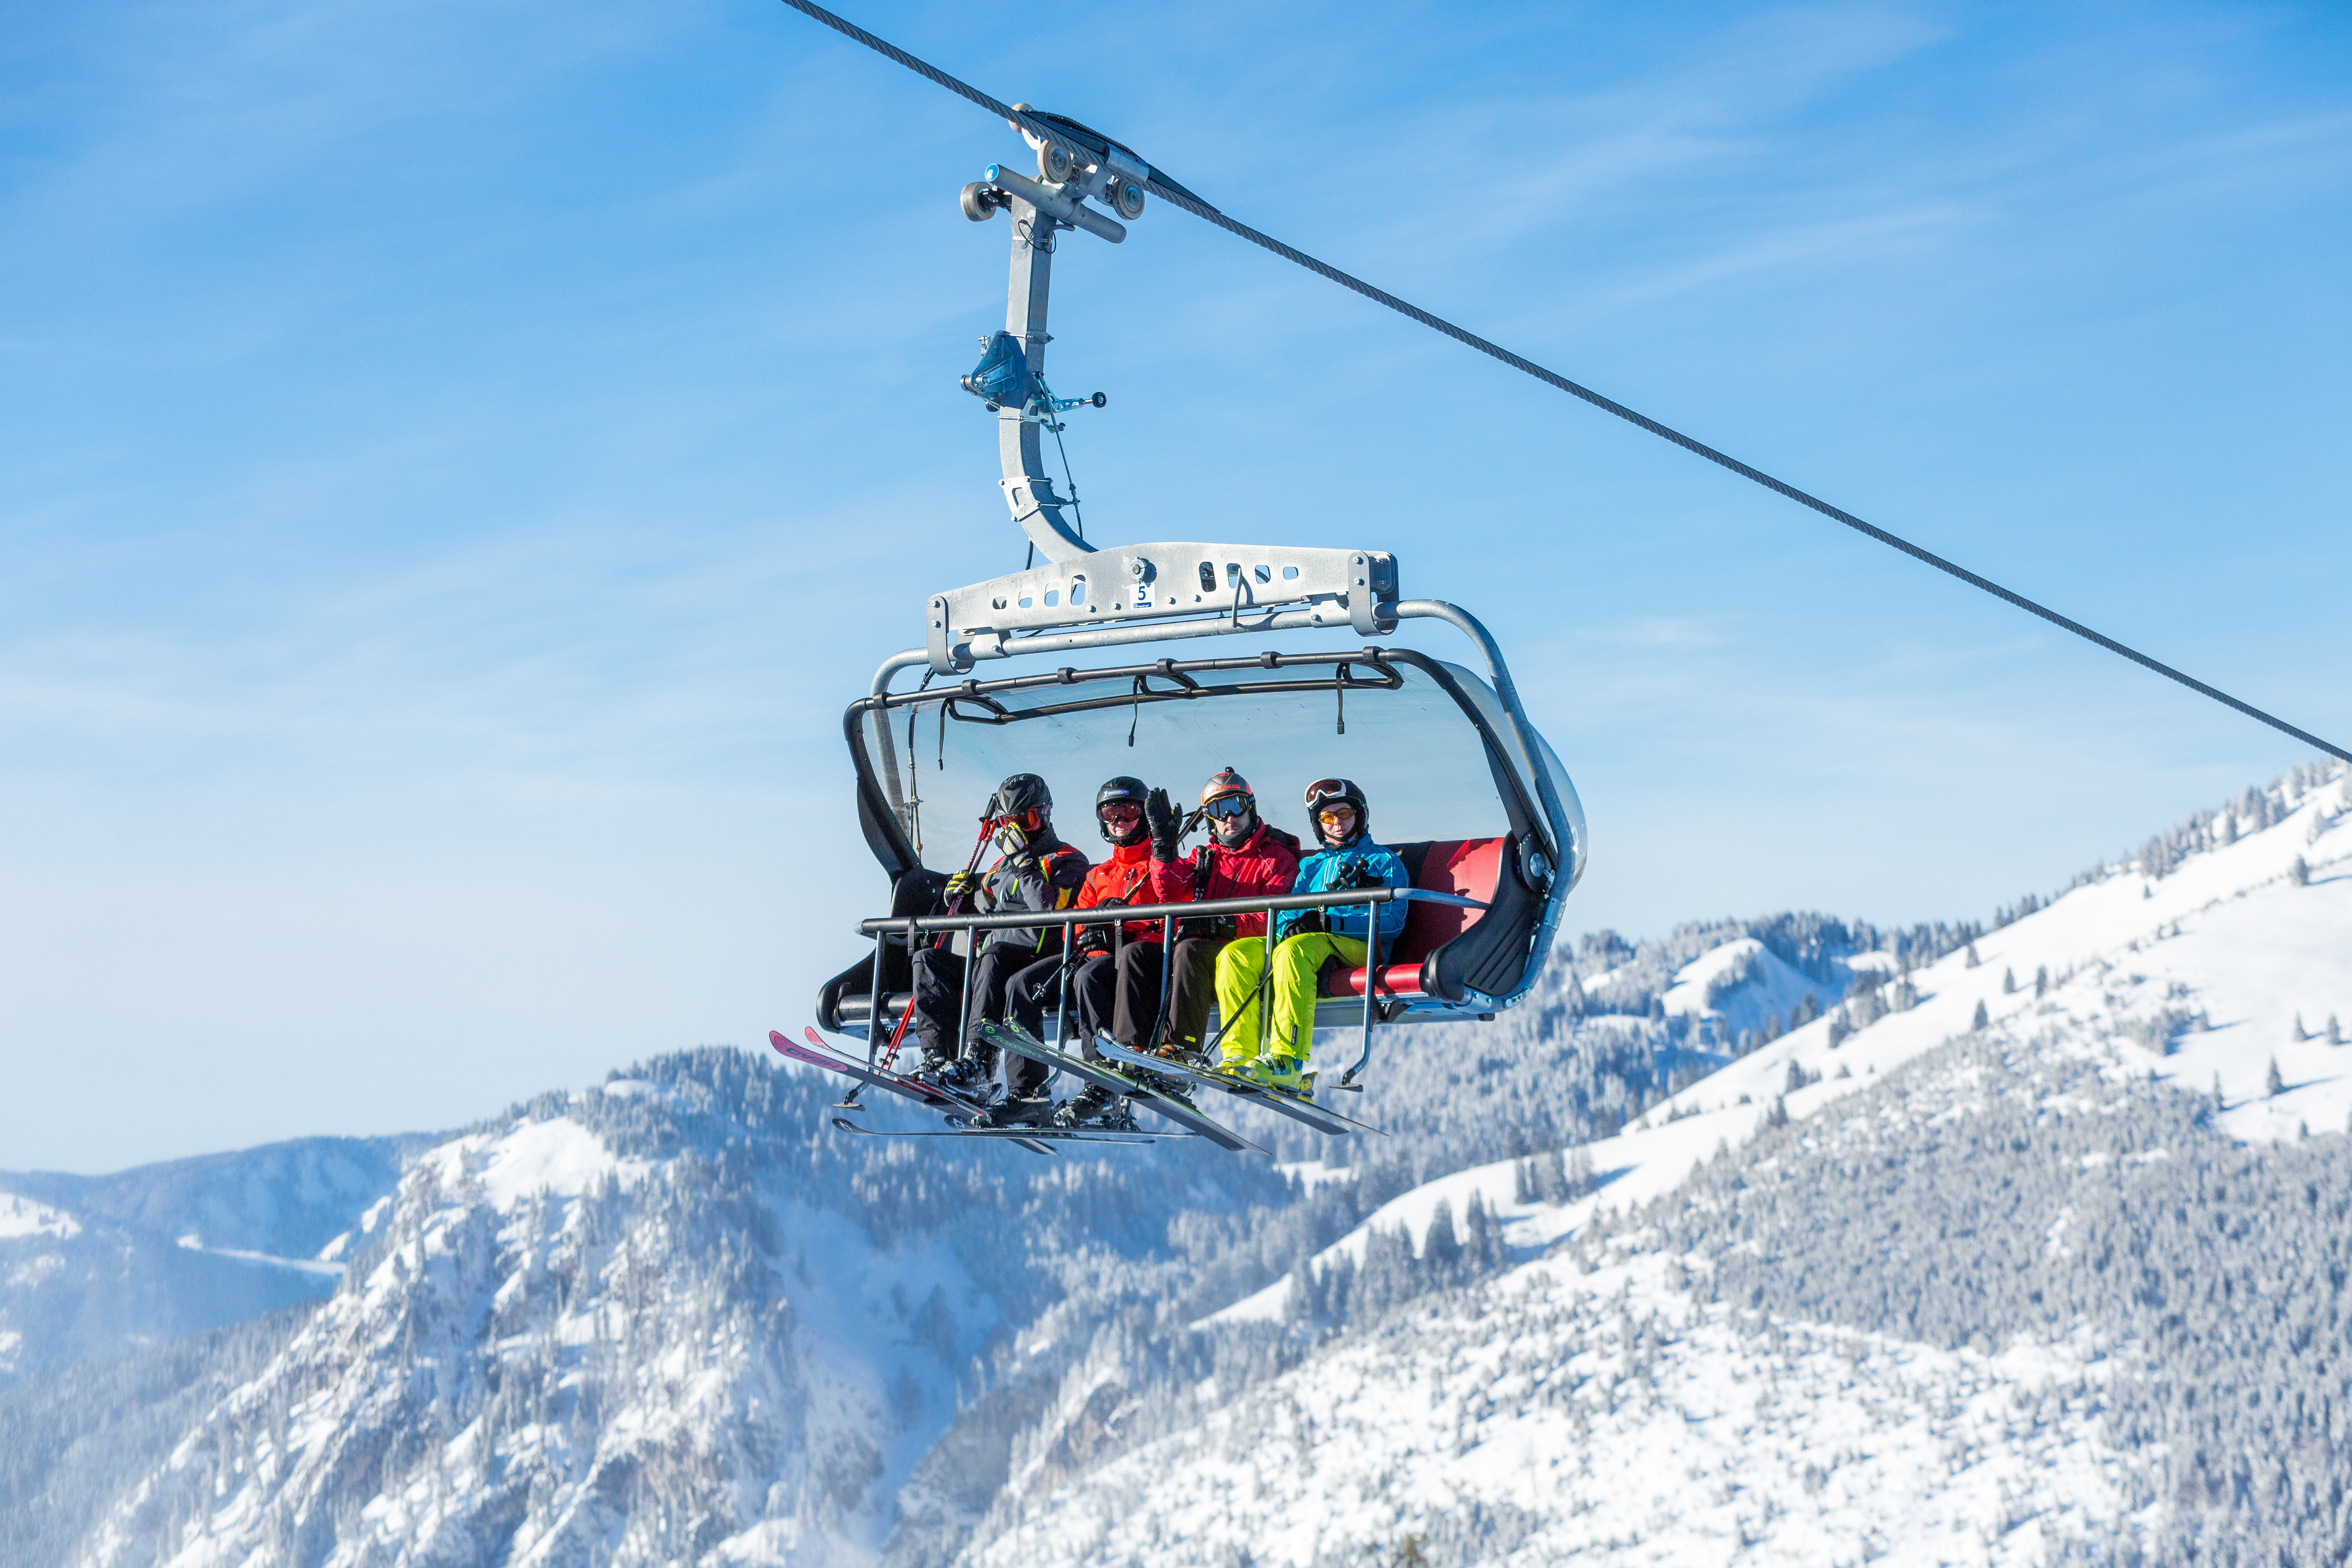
1324 871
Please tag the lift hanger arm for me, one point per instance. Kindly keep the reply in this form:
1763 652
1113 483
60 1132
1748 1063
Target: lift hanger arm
1168 190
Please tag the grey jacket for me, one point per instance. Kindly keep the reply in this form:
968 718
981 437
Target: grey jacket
1046 875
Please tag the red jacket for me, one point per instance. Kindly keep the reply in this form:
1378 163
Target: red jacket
1122 880
1265 862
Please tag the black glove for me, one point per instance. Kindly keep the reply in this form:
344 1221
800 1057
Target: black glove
1160 813
1305 921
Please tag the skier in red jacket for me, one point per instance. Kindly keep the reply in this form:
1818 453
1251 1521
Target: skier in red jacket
1245 856
1114 974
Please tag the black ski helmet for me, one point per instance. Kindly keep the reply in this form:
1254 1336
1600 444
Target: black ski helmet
1330 792
1131 790
1021 794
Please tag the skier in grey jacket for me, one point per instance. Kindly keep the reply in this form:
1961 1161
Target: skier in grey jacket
1035 870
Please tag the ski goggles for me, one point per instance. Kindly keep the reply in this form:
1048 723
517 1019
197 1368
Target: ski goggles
1323 791
1226 808
1122 811
1029 821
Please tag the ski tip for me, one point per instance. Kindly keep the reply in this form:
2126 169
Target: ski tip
776 1040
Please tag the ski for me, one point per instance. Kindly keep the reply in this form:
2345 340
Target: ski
1018 1134
1175 1107
914 1089
922 1093
1320 1117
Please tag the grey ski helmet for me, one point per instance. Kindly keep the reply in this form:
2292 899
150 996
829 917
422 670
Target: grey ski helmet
1225 785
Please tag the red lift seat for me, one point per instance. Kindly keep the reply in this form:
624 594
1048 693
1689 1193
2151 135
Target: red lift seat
1472 868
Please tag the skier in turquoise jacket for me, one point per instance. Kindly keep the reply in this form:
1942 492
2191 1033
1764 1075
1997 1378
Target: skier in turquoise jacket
1346 859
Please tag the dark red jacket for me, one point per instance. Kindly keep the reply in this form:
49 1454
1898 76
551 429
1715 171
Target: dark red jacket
1122 880
1265 862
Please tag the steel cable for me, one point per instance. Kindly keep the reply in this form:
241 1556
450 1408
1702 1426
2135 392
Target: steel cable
1177 197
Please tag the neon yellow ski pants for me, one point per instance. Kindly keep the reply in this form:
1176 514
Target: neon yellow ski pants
1297 963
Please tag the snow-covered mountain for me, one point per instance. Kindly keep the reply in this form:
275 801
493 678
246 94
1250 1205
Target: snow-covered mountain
99 1266
1614 1400
1786 1240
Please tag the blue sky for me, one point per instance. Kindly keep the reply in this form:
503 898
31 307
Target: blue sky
456 461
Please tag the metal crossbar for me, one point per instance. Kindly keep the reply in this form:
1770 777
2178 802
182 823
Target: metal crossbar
914 925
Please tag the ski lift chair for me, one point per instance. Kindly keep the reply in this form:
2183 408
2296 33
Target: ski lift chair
1436 747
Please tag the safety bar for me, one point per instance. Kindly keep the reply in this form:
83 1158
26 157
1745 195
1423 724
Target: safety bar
1104 914
1117 915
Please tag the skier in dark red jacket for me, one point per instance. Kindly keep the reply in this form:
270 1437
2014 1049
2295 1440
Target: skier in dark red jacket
1245 856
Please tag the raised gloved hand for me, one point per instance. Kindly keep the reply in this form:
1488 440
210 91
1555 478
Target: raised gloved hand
1010 837
1160 813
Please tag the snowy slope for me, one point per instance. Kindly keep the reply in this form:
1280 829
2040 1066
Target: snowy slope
1609 1417
1623 1416
1739 985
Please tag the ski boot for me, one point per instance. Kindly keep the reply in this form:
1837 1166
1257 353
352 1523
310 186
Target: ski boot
971 1073
1084 1107
934 1068
1018 1111
1286 1074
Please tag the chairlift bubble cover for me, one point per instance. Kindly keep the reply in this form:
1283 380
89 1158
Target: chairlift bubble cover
1423 737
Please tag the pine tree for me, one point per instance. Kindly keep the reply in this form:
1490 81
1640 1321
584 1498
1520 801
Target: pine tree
2299 873
2334 1033
2041 981
1981 1018
1439 1246
2273 1085
1973 960
2009 981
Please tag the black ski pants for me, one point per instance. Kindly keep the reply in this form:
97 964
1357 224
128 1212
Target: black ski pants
940 977
1135 1012
1192 989
1117 996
